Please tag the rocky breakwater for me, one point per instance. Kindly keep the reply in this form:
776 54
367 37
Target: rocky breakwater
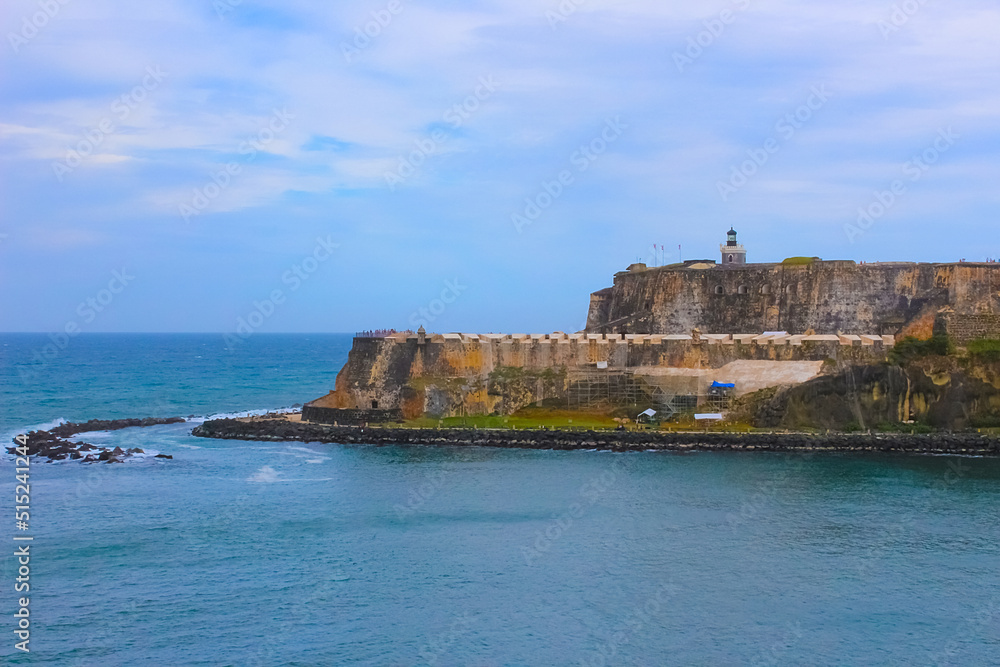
968 444
53 445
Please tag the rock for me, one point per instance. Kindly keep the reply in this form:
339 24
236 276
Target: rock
232 429
163 456
52 445
71 428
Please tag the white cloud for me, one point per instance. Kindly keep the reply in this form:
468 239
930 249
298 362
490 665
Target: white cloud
225 77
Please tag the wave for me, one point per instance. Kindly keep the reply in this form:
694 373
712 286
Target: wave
242 413
8 437
310 455
268 475
47 426
146 455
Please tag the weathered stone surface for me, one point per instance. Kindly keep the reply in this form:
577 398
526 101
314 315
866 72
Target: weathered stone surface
828 297
941 392
500 375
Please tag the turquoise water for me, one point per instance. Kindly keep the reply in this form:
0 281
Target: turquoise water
306 554
161 375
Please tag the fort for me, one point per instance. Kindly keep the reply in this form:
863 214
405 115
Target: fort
799 295
676 338
464 374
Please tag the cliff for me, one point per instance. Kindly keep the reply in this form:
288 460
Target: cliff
942 392
901 299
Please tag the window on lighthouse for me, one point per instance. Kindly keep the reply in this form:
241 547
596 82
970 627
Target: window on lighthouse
730 259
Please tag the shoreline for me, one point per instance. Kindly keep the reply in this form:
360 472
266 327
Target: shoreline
964 444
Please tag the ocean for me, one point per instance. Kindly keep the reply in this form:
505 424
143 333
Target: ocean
239 553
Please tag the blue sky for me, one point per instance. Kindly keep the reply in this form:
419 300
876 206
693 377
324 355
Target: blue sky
478 166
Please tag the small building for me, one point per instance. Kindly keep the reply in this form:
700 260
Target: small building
646 417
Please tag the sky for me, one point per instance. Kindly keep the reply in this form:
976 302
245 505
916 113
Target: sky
242 166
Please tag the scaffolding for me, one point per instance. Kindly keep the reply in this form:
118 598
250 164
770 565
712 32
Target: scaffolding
605 386
719 401
616 387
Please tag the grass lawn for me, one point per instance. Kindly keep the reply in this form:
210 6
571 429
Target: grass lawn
562 419
486 421
521 420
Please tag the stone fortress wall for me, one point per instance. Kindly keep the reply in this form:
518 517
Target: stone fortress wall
964 328
454 374
823 296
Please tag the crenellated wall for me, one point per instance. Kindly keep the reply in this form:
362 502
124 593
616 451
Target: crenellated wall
454 374
833 296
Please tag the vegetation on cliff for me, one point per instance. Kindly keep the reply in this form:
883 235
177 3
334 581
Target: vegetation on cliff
925 385
910 348
986 350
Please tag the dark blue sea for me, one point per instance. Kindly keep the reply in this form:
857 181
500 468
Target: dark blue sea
239 553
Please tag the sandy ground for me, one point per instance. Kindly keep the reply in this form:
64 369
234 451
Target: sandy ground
748 375
285 416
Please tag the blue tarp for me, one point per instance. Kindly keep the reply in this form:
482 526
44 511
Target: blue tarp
723 385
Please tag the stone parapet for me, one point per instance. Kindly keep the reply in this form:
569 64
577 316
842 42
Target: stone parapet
459 373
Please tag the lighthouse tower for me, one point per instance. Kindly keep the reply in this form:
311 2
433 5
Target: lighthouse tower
733 252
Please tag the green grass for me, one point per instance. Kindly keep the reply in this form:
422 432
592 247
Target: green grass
530 418
798 261
559 420
899 427
586 422
984 349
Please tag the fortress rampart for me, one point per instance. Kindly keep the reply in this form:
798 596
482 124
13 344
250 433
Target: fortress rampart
808 295
455 374
643 346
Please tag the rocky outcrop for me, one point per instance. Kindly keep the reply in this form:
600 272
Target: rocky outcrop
52 444
621 441
941 392
74 428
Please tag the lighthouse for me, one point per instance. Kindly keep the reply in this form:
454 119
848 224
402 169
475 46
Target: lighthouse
733 252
